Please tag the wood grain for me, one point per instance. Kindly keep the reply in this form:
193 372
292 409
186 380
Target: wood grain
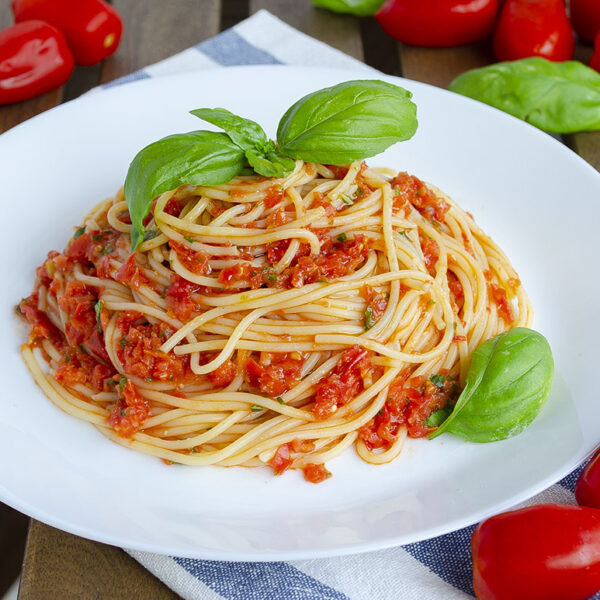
340 31
157 29
61 565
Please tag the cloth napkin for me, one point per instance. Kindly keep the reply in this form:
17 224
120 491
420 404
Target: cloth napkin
438 568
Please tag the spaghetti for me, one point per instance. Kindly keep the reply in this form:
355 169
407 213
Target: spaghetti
271 321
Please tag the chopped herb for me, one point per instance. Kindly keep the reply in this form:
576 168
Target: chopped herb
150 234
359 193
18 309
97 237
67 357
437 418
122 384
369 320
277 472
123 342
279 399
342 237
191 240
346 199
430 302
255 407
193 450
111 382
79 233
149 379
98 309
253 274
387 294
403 232
437 380
164 292
108 249
272 277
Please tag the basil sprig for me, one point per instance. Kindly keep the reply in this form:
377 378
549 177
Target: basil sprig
559 97
337 125
508 382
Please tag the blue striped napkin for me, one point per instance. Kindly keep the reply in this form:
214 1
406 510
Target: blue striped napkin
439 568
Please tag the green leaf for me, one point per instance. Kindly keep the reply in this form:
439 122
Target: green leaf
195 158
342 237
98 310
270 164
437 380
559 97
79 233
346 122
437 418
369 320
508 382
122 383
255 407
245 133
360 8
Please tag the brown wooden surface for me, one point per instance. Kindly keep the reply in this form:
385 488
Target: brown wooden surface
61 565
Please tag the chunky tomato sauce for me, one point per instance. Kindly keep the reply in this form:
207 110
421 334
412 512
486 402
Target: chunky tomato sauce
275 378
410 191
410 402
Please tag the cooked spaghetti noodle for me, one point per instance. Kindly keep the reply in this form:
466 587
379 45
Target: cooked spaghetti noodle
271 321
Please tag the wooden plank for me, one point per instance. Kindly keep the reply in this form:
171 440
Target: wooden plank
14 114
67 566
156 29
340 31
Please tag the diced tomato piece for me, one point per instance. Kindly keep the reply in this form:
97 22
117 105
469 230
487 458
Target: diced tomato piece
316 473
500 298
431 252
302 446
409 189
276 378
196 262
223 375
319 200
377 302
130 274
76 367
339 172
140 355
127 416
277 218
273 195
41 326
343 383
281 459
243 272
179 297
78 302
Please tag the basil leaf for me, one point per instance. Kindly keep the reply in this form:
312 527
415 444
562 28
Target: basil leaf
509 380
360 8
270 164
559 97
437 418
245 133
195 158
349 121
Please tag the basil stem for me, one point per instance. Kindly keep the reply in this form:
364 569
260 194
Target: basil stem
360 8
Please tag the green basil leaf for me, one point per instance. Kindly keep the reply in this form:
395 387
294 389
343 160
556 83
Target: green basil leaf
195 158
271 163
349 121
243 132
508 382
437 418
559 97
360 8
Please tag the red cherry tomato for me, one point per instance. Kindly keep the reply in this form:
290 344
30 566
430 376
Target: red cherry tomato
544 552
587 490
595 60
34 59
585 16
534 28
92 28
438 23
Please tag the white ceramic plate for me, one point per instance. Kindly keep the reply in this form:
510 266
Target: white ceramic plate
536 198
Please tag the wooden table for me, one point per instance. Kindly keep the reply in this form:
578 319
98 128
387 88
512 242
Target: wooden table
61 565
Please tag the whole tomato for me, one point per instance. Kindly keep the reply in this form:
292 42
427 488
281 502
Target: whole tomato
585 16
587 490
92 28
534 28
544 552
438 23
595 60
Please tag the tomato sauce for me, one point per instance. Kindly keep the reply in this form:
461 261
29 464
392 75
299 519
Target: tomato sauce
316 473
127 416
196 262
408 189
276 378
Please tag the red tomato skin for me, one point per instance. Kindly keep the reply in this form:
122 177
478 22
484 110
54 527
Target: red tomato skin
92 28
534 28
34 59
587 489
543 552
585 16
438 23
595 60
